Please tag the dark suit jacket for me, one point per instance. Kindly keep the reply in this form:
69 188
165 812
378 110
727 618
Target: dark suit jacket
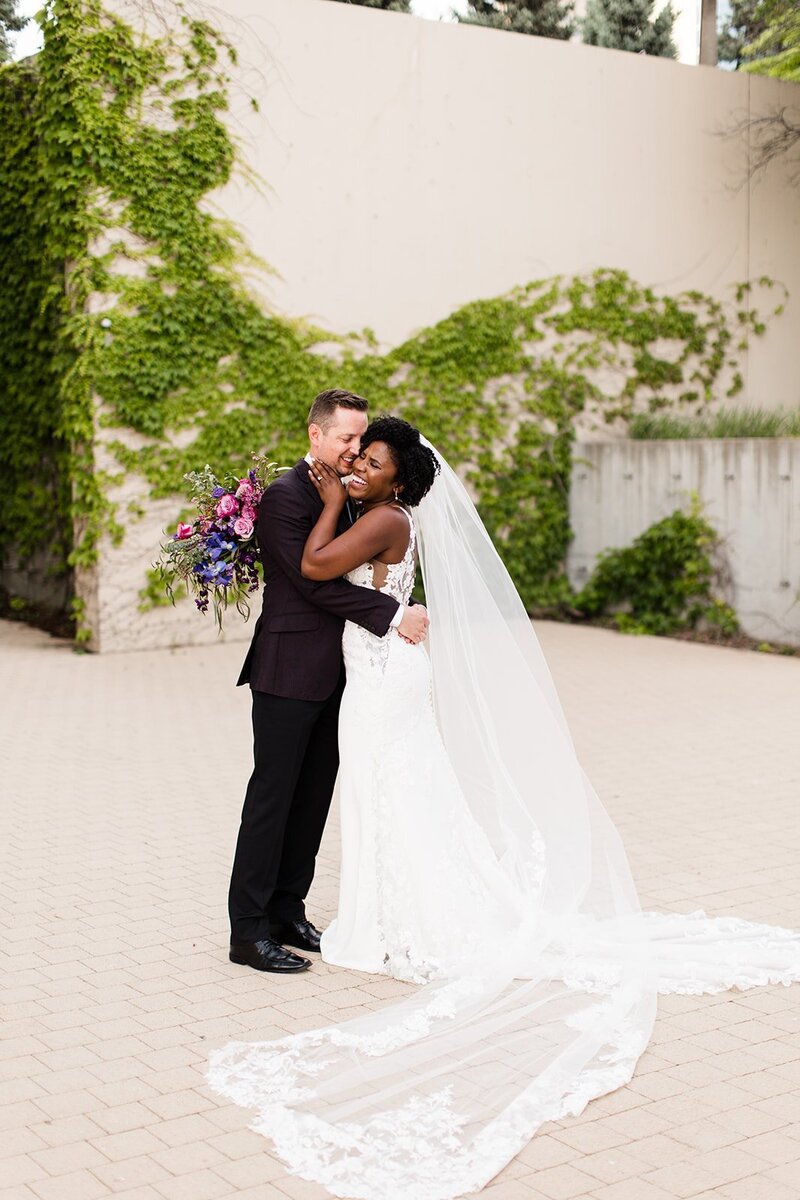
296 649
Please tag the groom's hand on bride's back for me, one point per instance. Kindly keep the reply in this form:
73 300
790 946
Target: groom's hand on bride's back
414 625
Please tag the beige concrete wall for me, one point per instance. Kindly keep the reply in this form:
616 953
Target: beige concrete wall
412 166
751 492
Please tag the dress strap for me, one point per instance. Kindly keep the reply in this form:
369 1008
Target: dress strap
403 509
412 541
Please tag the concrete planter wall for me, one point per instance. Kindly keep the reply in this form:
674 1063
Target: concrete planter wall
751 492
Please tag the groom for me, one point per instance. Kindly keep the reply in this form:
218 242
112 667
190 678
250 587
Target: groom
296 673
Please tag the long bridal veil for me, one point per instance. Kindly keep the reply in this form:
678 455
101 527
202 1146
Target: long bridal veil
429 1097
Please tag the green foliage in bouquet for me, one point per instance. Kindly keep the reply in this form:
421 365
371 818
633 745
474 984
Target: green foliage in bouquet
667 580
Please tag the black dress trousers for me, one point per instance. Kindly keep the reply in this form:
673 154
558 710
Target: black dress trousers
296 753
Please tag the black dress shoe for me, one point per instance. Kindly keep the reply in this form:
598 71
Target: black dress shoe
300 934
267 955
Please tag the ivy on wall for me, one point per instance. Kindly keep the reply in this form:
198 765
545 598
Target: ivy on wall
34 446
98 196
131 292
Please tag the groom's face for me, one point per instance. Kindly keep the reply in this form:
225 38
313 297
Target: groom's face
339 444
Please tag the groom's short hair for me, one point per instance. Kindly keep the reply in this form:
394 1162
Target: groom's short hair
323 410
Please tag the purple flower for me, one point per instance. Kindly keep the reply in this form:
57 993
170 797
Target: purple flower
217 492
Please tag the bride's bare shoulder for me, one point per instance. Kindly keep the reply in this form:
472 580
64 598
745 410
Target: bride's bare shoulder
387 516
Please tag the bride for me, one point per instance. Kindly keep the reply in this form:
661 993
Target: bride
420 885
477 860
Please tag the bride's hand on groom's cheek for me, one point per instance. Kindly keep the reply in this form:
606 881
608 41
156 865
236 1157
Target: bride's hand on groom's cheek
327 483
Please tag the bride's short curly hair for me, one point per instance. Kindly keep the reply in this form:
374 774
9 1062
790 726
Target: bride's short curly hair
417 465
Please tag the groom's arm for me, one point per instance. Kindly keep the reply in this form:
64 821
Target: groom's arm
283 528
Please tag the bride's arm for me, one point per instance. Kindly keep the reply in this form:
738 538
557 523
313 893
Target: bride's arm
327 556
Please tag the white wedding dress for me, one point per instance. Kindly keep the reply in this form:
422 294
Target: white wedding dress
420 886
478 861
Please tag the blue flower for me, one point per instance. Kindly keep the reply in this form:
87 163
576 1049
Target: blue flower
217 545
217 492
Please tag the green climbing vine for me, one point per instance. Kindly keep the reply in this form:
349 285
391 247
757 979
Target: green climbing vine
92 186
34 443
132 293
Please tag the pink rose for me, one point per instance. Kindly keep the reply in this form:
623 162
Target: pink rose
183 531
249 512
227 506
243 528
244 490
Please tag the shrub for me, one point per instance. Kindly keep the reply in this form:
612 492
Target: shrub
664 582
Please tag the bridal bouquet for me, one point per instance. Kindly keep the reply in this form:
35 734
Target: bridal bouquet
216 555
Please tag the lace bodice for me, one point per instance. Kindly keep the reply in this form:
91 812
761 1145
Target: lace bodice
399 579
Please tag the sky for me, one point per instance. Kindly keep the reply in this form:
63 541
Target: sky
29 39
437 8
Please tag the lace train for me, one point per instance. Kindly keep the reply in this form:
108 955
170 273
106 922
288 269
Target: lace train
308 1088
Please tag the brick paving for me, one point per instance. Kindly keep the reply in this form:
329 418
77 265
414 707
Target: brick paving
122 778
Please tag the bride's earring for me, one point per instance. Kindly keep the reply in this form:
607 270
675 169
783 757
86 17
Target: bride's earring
396 494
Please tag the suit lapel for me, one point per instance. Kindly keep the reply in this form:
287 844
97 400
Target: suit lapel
301 470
